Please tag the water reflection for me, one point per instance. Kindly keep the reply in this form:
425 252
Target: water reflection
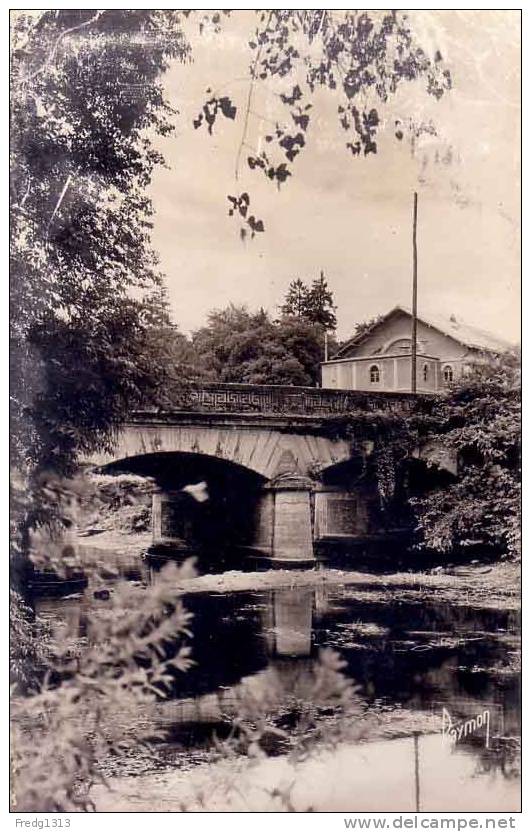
287 622
416 655
411 658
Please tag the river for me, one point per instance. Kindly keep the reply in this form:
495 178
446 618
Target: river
418 669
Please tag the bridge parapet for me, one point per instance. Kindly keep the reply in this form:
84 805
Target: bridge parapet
283 400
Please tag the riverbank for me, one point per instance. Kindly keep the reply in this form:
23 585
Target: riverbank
377 776
490 587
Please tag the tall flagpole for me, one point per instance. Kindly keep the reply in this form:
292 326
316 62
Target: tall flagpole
414 302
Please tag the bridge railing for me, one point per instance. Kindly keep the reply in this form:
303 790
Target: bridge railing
282 400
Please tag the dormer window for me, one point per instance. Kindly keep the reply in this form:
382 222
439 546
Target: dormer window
374 374
402 345
448 374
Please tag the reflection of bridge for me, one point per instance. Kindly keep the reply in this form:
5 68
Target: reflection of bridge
265 456
286 624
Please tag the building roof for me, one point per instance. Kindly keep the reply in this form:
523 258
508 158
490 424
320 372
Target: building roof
470 336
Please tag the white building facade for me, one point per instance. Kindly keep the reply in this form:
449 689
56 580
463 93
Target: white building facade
379 359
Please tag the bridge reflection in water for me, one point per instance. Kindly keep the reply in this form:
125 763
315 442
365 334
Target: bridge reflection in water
376 639
287 622
406 658
403 652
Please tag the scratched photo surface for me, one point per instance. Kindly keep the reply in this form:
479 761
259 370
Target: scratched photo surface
265 410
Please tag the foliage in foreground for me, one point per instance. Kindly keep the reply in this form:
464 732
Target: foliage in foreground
98 699
28 640
81 705
80 714
358 59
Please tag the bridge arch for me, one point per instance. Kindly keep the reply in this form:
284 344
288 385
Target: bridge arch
263 449
259 474
175 469
286 483
200 503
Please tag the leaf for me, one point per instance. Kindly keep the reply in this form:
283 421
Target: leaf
227 108
256 225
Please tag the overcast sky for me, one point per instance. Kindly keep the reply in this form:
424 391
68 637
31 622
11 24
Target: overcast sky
351 217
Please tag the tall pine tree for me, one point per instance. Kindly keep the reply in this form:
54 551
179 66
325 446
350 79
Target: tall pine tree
320 308
295 302
315 303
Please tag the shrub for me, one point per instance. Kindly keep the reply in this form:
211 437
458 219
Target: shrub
61 732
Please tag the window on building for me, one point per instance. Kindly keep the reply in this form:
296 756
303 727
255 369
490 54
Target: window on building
425 371
375 374
448 374
401 345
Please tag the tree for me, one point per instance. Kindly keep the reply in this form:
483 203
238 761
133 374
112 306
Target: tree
315 303
85 98
170 353
320 307
84 95
248 347
296 300
303 340
479 419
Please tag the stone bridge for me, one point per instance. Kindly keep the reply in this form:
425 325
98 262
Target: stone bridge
279 482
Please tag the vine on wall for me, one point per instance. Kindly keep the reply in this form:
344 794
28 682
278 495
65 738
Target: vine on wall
477 420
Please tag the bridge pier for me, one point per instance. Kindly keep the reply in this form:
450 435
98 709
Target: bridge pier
284 521
340 512
172 522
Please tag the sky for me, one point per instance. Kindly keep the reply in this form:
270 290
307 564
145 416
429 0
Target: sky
347 215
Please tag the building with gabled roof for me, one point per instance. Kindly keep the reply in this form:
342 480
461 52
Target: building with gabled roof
379 357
